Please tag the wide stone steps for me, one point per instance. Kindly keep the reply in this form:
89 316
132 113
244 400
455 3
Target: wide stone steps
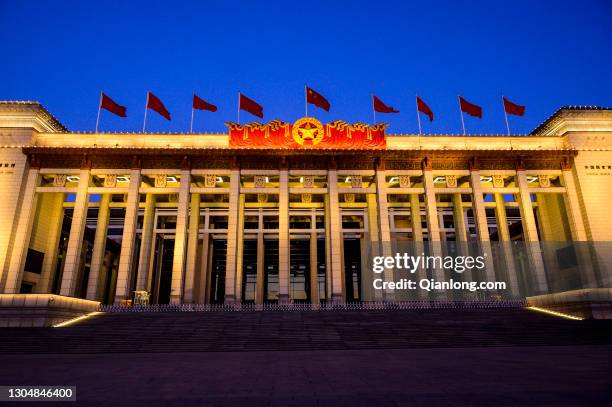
305 330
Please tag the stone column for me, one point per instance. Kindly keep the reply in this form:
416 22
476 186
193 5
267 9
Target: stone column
335 237
240 248
192 249
530 233
578 228
572 204
232 235
482 225
480 214
314 280
260 279
383 222
99 248
180 239
369 292
544 221
431 211
503 232
126 255
373 219
328 279
417 238
502 221
433 225
52 246
21 241
72 262
459 219
530 230
283 237
145 265
415 217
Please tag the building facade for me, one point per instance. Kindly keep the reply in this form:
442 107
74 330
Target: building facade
291 213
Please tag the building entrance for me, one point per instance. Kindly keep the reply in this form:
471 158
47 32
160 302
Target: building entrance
299 269
162 266
217 272
352 269
271 270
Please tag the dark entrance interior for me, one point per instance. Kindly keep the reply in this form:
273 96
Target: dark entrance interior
352 269
162 280
271 270
217 272
321 270
249 270
299 270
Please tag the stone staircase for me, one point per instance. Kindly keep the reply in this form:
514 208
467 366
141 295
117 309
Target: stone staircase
135 332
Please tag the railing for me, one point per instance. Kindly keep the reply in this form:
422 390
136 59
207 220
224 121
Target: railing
351 306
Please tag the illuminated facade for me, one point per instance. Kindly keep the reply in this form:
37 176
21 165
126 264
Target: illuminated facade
279 212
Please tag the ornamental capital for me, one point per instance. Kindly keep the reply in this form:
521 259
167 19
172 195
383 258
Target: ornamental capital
308 181
110 181
210 181
59 180
161 181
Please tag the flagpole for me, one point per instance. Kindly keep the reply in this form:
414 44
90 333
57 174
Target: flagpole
99 107
191 126
144 123
416 101
306 100
506 116
238 107
373 110
461 111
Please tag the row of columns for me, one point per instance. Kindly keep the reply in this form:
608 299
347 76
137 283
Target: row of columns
186 245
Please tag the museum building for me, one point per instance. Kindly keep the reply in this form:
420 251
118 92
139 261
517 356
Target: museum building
289 212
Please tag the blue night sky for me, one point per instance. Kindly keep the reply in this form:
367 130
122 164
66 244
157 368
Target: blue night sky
542 54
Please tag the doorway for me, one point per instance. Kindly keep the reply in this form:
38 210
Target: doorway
162 278
352 269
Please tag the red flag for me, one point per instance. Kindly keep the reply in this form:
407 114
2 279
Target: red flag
201 104
423 108
469 108
156 105
315 98
249 105
512 108
112 106
380 107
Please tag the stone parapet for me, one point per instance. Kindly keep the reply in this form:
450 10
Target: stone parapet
41 310
587 303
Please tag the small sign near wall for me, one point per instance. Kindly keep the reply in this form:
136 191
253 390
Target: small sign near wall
598 169
7 168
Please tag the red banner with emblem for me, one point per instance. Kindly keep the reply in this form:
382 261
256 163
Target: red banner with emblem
307 133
